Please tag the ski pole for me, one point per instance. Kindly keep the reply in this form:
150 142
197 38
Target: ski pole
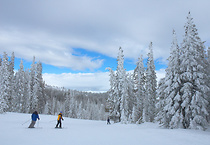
26 121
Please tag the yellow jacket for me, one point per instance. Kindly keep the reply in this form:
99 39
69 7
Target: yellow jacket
60 116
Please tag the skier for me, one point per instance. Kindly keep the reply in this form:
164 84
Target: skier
108 120
34 117
59 120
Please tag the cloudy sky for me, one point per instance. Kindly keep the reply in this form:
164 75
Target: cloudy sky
77 39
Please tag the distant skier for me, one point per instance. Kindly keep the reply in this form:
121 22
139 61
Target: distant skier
34 117
59 120
108 120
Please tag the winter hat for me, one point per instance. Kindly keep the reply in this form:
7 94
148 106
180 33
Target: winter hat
60 111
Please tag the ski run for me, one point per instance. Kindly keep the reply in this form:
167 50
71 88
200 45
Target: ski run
15 131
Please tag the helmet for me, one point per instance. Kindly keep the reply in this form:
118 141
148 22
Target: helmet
60 111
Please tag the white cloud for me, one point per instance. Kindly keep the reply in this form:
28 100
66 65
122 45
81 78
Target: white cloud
81 81
50 29
47 49
97 82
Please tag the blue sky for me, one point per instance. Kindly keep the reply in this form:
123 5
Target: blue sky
76 40
111 62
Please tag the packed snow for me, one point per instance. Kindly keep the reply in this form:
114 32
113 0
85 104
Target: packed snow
14 130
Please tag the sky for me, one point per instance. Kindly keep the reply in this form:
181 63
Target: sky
76 40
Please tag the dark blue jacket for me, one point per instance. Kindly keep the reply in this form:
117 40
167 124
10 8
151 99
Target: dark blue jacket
34 116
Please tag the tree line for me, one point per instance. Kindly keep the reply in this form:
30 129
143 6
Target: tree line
180 100
25 91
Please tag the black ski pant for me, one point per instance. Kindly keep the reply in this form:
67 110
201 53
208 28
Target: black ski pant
59 123
32 124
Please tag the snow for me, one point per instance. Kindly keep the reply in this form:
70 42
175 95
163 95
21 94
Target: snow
86 132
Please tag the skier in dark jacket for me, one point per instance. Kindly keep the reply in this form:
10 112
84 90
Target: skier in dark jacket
108 120
59 120
34 117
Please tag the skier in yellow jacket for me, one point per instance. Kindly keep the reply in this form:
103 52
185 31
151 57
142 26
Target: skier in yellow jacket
59 120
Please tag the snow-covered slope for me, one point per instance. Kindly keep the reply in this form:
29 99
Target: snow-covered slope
85 132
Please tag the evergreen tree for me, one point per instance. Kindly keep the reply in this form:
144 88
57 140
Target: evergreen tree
113 101
20 90
5 85
193 78
11 65
131 98
122 87
67 104
125 102
40 87
139 90
3 102
27 91
162 115
151 86
171 96
33 98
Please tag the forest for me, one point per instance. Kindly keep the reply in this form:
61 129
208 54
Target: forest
25 91
179 100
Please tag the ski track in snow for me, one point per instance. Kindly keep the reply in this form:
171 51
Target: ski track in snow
86 132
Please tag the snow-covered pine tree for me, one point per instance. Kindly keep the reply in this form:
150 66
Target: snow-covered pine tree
161 103
151 86
67 103
33 98
113 101
127 99
11 92
122 87
173 110
5 85
27 91
139 90
3 103
72 111
131 98
20 99
193 78
40 87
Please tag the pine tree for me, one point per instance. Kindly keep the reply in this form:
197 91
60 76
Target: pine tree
3 102
27 91
193 78
67 103
113 101
5 85
40 87
122 87
151 86
172 100
121 92
20 99
11 65
131 98
139 90
125 102
162 116
33 98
